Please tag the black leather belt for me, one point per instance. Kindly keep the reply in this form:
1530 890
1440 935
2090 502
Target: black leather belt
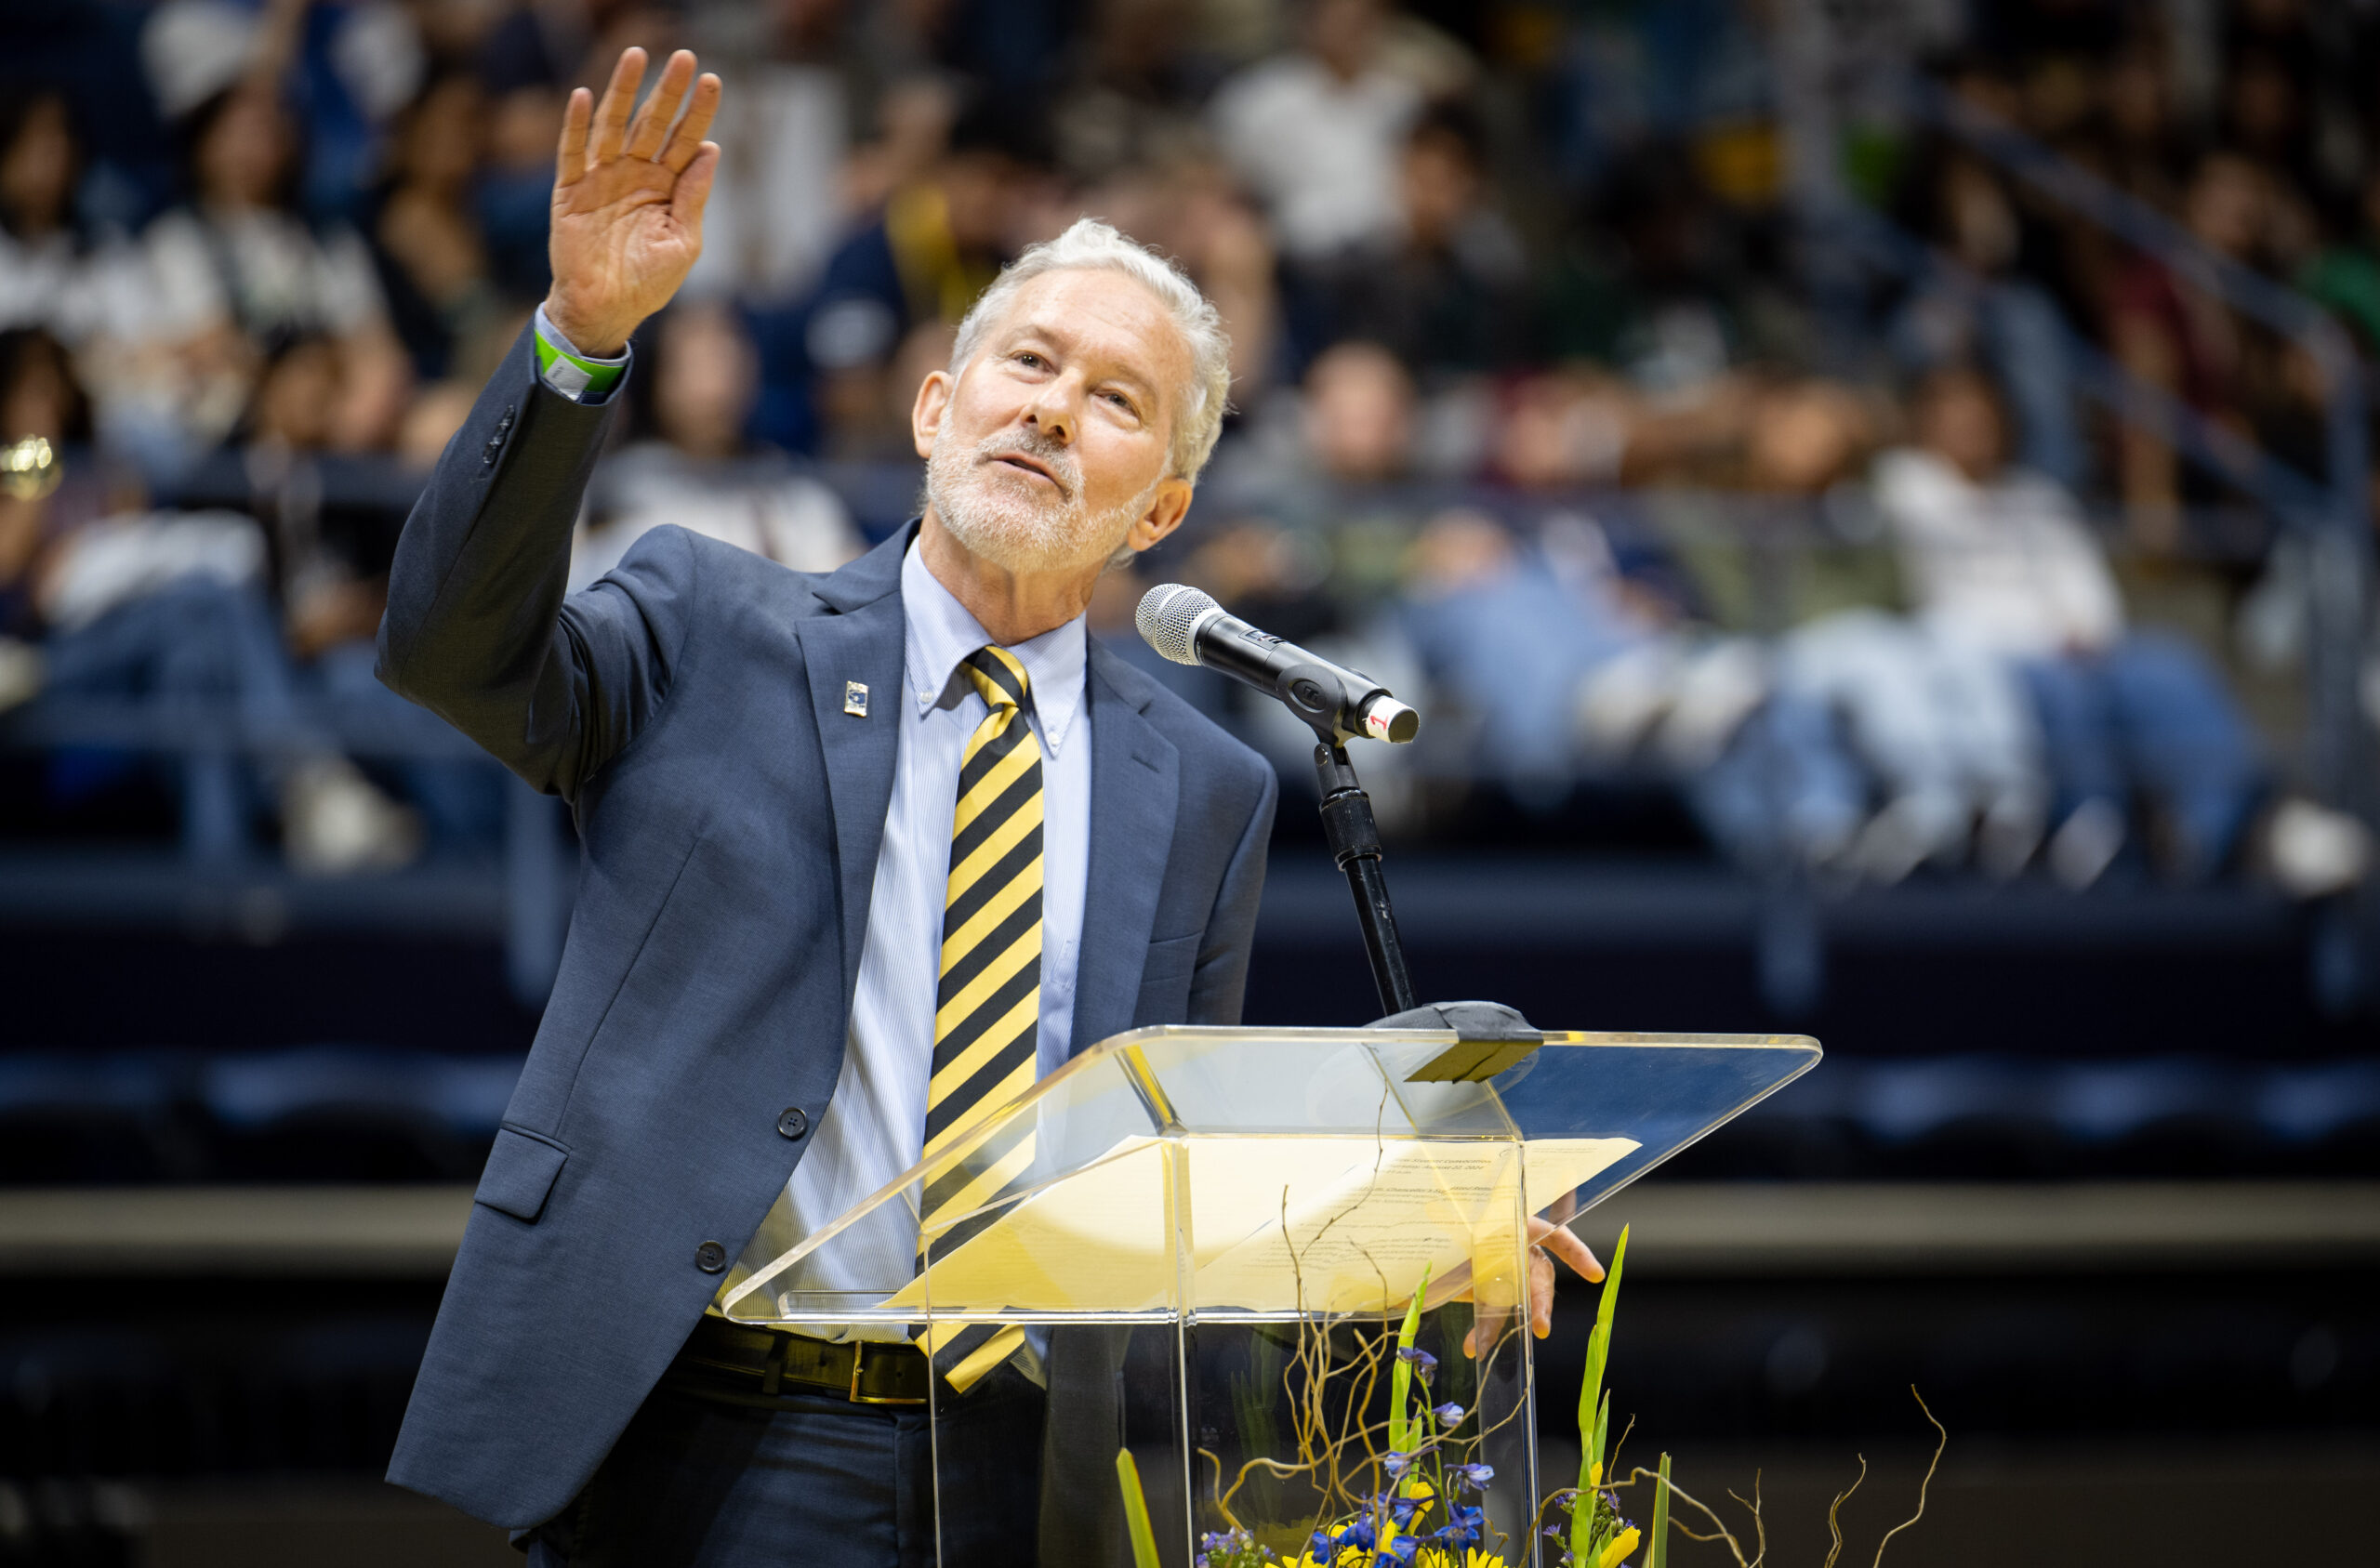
723 1357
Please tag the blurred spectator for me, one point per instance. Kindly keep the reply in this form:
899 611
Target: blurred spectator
1446 288
1511 642
1314 131
1321 460
432 263
166 611
702 376
39 397
237 270
2346 276
94 298
778 206
1882 745
1359 414
2176 336
45 264
1990 311
938 243
2142 144
344 67
2001 560
1563 431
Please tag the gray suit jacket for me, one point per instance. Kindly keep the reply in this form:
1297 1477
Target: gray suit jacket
690 708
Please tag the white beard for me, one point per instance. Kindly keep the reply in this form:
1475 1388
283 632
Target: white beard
1002 519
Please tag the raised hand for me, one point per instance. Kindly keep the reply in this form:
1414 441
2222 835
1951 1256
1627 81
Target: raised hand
628 206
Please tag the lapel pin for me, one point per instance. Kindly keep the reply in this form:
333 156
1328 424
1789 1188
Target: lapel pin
854 699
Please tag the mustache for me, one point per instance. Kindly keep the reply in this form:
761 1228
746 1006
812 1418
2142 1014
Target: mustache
1051 454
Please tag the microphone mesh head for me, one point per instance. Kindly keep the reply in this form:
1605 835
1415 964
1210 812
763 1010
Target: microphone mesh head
1168 613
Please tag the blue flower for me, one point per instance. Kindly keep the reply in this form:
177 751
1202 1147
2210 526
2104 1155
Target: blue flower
1474 1476
1449 1414
1422 1362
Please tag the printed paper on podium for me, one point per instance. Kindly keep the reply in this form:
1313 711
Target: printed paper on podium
1282 1224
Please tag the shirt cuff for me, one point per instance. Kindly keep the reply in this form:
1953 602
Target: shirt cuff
580 378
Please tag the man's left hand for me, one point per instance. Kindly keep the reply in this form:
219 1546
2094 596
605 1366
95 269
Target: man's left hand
1547 1241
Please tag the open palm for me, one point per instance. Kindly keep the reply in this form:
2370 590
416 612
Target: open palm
627 204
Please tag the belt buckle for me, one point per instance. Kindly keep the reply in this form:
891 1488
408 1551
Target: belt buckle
859 1360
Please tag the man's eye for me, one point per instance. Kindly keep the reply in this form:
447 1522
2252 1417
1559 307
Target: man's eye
1027 357
1120 400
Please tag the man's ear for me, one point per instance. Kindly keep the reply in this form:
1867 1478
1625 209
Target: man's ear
925 417
1166 510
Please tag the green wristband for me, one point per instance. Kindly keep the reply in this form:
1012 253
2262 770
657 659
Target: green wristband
574 375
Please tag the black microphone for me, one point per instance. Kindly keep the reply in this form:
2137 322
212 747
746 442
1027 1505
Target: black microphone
1189 627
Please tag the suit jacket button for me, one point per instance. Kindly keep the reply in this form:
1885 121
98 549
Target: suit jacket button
711 1258
794 1123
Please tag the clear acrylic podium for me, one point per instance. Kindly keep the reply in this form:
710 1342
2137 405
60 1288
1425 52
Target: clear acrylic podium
1200 1244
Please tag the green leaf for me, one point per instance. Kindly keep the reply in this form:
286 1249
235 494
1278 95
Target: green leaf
1657 1555
1401 1436
1599 1341
1136 1512
1595 1404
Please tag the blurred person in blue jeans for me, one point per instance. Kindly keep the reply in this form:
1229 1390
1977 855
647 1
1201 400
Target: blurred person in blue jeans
1560 666
168 611
2001 559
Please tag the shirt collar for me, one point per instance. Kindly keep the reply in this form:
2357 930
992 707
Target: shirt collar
940 633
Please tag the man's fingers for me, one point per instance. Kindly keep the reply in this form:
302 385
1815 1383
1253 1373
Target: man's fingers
693 190
570 158
1564 1244
619 97
687 140
651 125
1541 1293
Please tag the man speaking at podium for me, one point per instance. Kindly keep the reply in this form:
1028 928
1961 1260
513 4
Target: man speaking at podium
865 853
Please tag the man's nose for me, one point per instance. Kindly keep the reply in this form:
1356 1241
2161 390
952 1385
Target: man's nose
1056 409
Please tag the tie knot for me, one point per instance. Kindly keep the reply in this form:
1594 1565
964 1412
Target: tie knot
998 676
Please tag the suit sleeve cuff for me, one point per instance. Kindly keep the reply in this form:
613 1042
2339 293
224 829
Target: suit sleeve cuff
580 378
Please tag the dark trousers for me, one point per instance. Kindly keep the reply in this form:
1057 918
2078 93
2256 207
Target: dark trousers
700 1480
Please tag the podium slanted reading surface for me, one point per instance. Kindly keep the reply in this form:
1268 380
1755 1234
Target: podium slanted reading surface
1202 1244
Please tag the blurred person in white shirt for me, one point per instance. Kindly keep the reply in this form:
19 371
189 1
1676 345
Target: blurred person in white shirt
2000 559
697 470
237 268
1317 132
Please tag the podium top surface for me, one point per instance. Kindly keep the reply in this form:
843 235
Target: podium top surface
1249 1149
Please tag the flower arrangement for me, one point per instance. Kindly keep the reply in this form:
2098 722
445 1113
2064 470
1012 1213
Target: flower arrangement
1416 1501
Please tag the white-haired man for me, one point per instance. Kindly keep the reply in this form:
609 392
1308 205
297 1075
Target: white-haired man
865 853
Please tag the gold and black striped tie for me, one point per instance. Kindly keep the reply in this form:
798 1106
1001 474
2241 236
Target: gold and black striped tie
987 1012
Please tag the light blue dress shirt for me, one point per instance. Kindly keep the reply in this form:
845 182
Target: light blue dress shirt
875 1128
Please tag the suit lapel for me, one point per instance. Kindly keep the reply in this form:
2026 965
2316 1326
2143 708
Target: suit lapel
1134 785
862 644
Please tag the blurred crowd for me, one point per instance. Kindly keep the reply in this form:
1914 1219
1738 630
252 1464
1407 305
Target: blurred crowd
1536 407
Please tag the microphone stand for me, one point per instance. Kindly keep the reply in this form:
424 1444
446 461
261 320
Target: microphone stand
1354 838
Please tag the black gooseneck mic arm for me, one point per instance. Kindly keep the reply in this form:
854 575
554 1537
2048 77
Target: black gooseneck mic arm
1190 628
1354 838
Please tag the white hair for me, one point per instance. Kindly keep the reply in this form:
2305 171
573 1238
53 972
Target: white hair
1089 243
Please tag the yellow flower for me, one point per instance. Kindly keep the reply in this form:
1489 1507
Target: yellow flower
1621 1545
1473 1557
